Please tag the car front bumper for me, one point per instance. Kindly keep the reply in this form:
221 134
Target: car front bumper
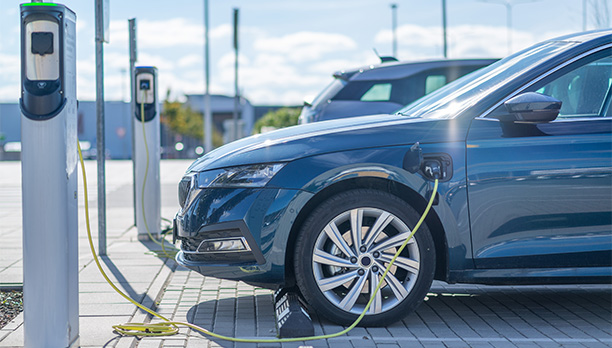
259 218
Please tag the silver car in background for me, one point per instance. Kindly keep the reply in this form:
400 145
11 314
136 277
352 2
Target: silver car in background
384 88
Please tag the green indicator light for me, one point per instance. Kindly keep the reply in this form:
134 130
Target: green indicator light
38 4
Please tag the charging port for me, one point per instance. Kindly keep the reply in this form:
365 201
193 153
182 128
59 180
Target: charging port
437 166
145 85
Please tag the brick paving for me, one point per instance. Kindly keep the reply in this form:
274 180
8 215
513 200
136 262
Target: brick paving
452 316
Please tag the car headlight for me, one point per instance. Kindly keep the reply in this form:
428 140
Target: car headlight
187 190
256 175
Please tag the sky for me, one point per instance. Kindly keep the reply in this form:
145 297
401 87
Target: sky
288 49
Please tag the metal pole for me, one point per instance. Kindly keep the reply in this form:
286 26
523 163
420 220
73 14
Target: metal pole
236 92
584 15
444 28
100 129
394 28
208 145
508 4
133 59
509 25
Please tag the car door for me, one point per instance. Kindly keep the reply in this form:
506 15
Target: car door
540 195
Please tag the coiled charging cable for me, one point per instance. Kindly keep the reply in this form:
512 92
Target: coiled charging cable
169 327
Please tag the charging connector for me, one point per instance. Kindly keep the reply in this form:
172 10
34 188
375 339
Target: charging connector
433 169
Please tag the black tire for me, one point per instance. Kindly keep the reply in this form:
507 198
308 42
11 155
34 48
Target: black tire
337 284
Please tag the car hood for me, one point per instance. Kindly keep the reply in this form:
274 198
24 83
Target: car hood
317 138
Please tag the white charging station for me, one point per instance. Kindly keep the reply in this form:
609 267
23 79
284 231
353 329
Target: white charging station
147 153
49 175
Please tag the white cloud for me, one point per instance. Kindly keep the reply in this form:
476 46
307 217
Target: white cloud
10 39
81 25
285 69
10 92
219 32
191 60
305 45
169 33
116 61
276 97
119 32
464 41
116 86
10 64
415 35
10 77
330 66
172 32
157 60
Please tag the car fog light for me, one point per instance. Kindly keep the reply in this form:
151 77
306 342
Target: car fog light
224 245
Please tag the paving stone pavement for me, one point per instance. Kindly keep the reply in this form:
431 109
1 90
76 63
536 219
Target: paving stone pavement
452 316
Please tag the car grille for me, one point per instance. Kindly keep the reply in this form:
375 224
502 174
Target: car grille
184 187
190 244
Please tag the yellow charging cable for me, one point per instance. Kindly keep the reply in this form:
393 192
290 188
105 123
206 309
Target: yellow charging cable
93 250
169 327
173 252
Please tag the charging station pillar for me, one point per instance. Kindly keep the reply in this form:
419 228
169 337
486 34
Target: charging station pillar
147 153
49 175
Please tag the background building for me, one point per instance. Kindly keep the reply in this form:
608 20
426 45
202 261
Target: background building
118 127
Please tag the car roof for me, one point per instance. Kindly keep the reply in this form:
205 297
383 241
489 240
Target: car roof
398 70
595 35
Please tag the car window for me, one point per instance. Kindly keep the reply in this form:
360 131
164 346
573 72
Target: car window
456 97
582 87
582 90
329 91
433 82
378 92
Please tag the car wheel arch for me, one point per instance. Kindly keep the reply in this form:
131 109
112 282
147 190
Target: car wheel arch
395 188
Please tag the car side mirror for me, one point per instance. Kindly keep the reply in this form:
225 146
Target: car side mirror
531 107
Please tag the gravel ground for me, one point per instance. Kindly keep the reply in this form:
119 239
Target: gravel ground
11 304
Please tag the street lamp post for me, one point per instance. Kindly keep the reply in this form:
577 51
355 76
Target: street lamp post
207 111
508 4
394 28
444 42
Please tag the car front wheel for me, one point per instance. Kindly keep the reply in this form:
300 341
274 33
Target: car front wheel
344 248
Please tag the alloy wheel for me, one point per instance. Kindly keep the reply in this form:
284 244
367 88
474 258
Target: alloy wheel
351 254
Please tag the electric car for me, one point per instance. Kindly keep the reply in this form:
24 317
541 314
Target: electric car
384 88
522 151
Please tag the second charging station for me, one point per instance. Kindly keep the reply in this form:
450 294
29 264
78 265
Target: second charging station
147 153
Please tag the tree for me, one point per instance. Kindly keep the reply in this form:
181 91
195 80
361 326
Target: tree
185 121
283 117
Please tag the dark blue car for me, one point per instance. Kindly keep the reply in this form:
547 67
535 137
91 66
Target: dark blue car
523 152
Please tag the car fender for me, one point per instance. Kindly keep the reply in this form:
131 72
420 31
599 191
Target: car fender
331 173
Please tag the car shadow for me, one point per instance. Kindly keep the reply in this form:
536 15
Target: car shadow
450 311
241 316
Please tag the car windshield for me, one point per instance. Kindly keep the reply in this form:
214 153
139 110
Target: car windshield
328 92
451 100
